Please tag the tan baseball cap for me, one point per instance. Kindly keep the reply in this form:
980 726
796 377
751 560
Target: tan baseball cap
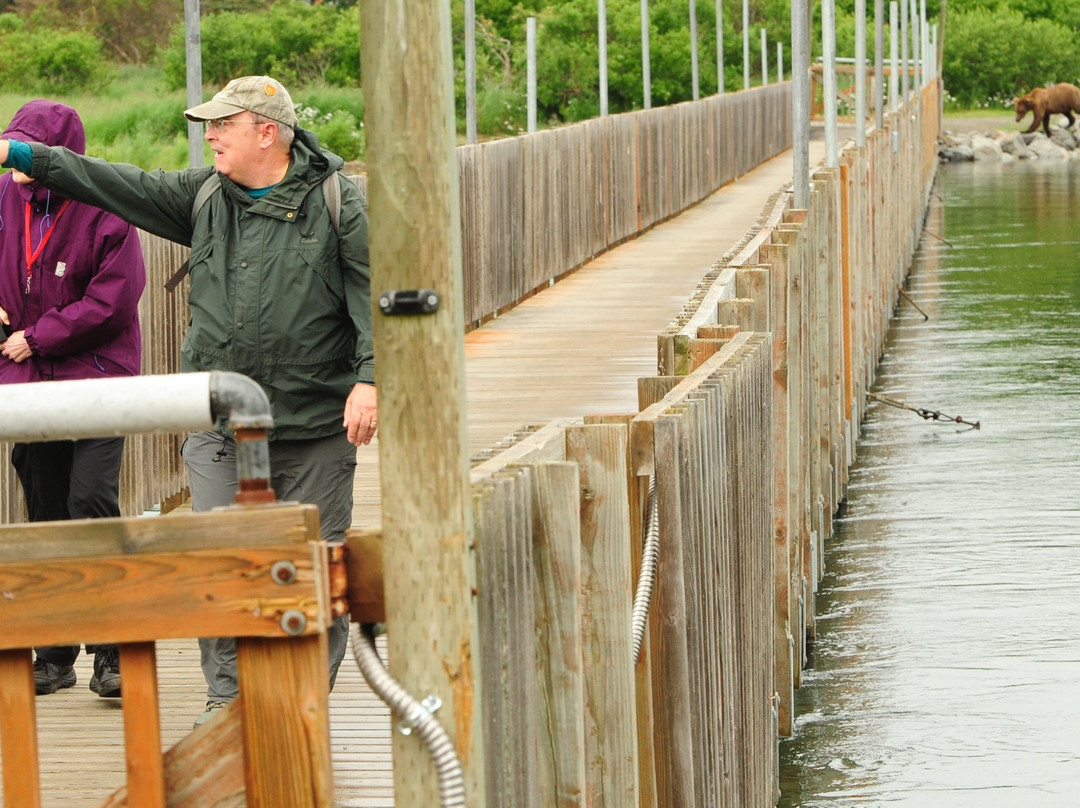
259 94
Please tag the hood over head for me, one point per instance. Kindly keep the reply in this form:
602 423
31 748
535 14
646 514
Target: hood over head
53 124
50 123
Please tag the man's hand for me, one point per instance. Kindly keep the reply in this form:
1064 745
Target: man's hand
361 414
15 348
3 151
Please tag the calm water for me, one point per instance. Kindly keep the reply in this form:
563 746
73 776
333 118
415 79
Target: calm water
947 665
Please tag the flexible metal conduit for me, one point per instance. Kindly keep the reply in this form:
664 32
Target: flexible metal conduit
647 578
415 715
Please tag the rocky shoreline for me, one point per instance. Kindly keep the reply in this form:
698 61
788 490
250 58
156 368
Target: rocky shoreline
1004 147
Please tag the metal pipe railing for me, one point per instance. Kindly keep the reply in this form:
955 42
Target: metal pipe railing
132 405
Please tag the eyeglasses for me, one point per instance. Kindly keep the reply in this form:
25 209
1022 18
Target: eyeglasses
219 124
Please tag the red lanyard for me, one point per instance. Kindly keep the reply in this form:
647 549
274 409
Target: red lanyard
31 257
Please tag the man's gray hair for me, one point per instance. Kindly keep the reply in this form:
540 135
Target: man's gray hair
285 133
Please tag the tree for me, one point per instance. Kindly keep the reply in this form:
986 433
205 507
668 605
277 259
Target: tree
130 30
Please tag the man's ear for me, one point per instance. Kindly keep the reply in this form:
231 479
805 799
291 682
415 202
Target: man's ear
267 134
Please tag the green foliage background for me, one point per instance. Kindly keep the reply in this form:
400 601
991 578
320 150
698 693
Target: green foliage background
86 49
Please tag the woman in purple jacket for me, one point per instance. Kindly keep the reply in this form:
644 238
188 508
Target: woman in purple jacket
71 277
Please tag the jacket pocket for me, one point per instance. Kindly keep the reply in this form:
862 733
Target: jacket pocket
326 269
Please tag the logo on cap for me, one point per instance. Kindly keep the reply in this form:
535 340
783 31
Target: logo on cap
269 89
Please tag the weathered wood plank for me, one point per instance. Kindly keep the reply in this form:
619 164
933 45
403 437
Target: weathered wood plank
205 768
230 591
558 594
279 523
285 721
676 761
611 746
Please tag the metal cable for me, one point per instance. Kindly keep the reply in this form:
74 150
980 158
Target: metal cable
650 554
415 715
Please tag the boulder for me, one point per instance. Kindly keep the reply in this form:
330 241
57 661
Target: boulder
1013 143
985 148
956 154
1047 149
1064 138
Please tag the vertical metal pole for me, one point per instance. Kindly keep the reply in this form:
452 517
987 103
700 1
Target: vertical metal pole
879 63
780 62
530 73
746 44
694 80
860 73
764 58
800 103
828 48
646 75
935 74
193 50
470 71
719 46
924 41
905 68
407 65
601 38
916 49
894 59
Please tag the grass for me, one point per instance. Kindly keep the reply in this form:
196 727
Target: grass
137 119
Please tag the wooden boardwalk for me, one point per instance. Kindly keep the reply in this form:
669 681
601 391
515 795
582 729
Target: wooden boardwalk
575 349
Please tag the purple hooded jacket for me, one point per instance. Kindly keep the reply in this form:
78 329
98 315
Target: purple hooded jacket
81 316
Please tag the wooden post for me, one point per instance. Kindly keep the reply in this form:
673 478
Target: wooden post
18 729
610 721
142 726
557 563
416 244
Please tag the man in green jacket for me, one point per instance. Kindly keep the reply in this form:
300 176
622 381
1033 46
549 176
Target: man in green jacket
280 291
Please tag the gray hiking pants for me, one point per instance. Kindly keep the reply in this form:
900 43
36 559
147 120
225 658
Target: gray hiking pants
319 472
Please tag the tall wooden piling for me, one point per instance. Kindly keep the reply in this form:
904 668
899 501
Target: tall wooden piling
416 244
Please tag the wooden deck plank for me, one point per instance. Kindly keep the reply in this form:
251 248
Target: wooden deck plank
575 349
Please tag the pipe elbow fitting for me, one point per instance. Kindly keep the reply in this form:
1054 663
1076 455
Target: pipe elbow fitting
241 399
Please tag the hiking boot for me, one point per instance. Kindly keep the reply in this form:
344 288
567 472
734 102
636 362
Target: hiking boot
48 678
106 679
212 709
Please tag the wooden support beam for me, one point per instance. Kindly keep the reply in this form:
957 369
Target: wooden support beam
420 369
18 729
364 570
59 593
286 724
142 726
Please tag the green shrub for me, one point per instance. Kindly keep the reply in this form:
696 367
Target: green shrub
337 131
992 56
50 62
501 112
293 42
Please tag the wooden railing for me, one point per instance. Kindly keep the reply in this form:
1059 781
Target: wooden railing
749 429
259 574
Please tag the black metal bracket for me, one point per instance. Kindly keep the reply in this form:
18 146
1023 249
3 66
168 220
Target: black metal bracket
409 301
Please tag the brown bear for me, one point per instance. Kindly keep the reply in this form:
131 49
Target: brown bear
1042 102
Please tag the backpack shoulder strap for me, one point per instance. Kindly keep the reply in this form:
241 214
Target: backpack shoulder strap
210 184
206 190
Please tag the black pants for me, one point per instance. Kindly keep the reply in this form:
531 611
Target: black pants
69 480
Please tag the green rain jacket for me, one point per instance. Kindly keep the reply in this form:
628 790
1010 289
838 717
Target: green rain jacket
275 293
